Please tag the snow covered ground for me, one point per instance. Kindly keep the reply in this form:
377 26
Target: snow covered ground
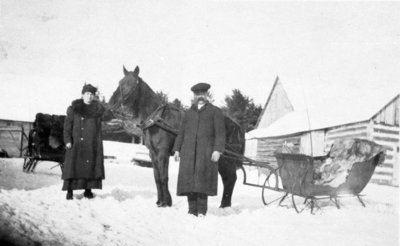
34 211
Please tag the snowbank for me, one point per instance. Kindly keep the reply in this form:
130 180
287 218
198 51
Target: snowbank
33 211
126 151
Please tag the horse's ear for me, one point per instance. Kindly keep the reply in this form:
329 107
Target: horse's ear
125 71
136 70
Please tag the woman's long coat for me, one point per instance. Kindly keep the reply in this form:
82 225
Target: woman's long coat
201 132
82 128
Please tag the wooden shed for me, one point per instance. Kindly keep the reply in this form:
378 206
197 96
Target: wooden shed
281 125
14 136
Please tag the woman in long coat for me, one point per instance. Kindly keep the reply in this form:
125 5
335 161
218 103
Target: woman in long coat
84 161
199 144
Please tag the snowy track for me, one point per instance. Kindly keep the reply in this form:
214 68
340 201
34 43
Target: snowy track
124 213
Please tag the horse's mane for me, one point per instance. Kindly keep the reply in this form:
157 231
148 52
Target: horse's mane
147 95
148 100
116 96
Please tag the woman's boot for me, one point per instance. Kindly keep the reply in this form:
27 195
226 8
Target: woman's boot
88 194
70 195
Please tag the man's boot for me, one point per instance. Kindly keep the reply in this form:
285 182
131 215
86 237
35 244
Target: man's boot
192 202
202 200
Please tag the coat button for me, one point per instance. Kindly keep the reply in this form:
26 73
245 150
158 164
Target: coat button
82 118
81 139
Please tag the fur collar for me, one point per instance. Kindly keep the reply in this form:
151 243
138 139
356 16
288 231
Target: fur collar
93 110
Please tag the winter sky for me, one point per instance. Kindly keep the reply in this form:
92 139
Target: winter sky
49 48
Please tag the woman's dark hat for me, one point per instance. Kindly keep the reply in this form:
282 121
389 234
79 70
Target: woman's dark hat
200 87
89 88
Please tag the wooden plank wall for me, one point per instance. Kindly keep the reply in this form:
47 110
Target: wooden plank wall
267 146
389 115
385 131
387 136
317 143
277 106
355 130
251 148
10 136
10 141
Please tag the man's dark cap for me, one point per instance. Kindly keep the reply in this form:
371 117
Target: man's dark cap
200 87
89 88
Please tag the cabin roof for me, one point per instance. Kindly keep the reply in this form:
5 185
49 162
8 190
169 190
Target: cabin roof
319 108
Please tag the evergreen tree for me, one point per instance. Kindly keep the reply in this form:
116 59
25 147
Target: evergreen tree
177 103
162 97
242 109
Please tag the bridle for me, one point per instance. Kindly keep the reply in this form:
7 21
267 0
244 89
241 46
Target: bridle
154 119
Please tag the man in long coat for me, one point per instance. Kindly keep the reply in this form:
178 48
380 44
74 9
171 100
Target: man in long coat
84 161
199 144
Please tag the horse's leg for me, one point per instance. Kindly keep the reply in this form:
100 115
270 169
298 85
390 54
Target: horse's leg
228 175
163 162
156 172
34 166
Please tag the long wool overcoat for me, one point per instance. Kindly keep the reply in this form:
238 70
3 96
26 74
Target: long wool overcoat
82 128
201 132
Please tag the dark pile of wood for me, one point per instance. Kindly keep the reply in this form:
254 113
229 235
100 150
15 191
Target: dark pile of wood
49 130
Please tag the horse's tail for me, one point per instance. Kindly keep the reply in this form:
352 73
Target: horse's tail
235 139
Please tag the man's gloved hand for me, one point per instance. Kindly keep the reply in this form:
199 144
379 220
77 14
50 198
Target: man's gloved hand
215 156
176 156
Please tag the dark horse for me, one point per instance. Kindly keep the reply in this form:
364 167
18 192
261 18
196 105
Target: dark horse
136 102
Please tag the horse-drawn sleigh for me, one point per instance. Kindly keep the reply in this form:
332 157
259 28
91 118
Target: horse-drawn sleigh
135 102
45 141
343 172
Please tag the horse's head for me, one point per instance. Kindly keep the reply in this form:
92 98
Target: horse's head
133 100
125 99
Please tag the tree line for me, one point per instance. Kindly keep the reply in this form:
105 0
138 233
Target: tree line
238 106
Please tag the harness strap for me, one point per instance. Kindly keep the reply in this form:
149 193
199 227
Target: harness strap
155 119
